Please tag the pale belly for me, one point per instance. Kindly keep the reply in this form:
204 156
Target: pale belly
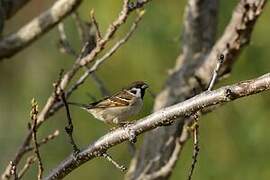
116 115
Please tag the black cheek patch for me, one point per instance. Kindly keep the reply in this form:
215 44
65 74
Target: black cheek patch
142 92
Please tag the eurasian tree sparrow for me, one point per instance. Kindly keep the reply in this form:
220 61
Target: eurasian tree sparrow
117 108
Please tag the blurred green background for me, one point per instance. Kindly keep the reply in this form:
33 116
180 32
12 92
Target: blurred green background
234 139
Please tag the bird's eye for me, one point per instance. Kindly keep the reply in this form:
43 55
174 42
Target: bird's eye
133 91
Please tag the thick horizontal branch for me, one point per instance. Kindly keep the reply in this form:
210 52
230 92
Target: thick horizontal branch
161 117
13 43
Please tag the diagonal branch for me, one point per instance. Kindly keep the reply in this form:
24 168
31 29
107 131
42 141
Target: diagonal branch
43 141
13 43
160 118
29 161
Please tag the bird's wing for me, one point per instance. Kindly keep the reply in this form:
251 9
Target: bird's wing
122 98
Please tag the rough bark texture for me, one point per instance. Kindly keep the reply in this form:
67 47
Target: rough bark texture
192 73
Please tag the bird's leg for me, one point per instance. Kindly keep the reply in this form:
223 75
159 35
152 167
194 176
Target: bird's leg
125 123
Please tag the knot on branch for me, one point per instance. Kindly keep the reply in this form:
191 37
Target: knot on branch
135 5
230 94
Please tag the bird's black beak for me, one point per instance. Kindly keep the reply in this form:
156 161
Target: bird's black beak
145 86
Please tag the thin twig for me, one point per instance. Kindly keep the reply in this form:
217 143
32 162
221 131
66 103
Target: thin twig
64 45
95 23
29 161
85 30
69 127
44 140
87 35
215 73
196 146
34 114
109 158
80 26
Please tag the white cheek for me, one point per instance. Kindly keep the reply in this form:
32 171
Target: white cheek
138 92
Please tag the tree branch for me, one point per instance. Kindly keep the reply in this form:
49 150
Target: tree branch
160 118
34 114
13 43
69 126
43 141
29 161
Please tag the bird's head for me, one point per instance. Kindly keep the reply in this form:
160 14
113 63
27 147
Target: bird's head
138 88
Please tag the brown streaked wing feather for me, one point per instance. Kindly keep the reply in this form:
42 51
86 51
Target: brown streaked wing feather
125 95
117 100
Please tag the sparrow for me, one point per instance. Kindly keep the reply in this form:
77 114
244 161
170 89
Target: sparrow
116 109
